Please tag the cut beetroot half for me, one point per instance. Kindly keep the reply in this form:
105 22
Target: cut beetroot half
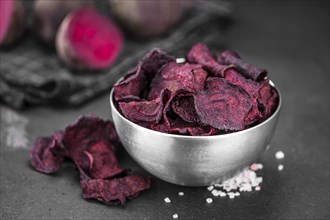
88 40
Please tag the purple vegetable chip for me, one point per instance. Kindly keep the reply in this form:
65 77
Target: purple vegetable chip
135 82
42 158
131 85
161 127
116 190
230 57
174 76
145 111
252 88
168 106
91 144
222 105
178 126
201 54
183 106
268 100
153 61
103 162
204 96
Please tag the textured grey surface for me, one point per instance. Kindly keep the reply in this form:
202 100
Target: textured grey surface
291 40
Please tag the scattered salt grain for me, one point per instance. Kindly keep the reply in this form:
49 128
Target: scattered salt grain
231 195
167 200
209 200
181 193
279 155
175 216
245 181
180 60
222 194
280 167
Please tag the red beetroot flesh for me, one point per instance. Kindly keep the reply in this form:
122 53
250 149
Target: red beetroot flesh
88 40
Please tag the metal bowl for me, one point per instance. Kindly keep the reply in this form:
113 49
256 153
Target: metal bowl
194 160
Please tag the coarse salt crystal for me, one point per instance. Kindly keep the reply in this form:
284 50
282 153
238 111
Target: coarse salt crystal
175 216
280 167
231 195
279 155
245 181
254 167
260 166
180 60
223 194
181 193
209 200
215 192
167 200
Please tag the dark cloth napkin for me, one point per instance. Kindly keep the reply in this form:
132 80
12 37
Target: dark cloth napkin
31 75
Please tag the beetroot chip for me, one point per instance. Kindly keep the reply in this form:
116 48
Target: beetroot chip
42 158
153 61
230 57
135 82
179 126
268 100
91 144
168 107
131 85
183 106
201 54
145 111
252 88
174 76
116 190
103 162
222 105
205 96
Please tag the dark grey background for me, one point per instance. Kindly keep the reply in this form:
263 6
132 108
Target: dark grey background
291 40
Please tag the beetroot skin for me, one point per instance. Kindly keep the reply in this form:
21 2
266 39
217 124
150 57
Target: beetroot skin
48 16
12 21
87 40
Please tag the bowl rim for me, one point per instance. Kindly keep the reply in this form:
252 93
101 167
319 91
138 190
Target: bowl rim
276 112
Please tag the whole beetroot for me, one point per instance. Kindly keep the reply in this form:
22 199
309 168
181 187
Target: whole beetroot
147 18
49 14
12 21
87 40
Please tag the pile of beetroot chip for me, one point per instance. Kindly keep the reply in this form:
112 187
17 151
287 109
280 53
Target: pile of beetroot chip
202 96
91 143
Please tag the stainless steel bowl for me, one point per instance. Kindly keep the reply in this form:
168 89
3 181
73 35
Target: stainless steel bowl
194 160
